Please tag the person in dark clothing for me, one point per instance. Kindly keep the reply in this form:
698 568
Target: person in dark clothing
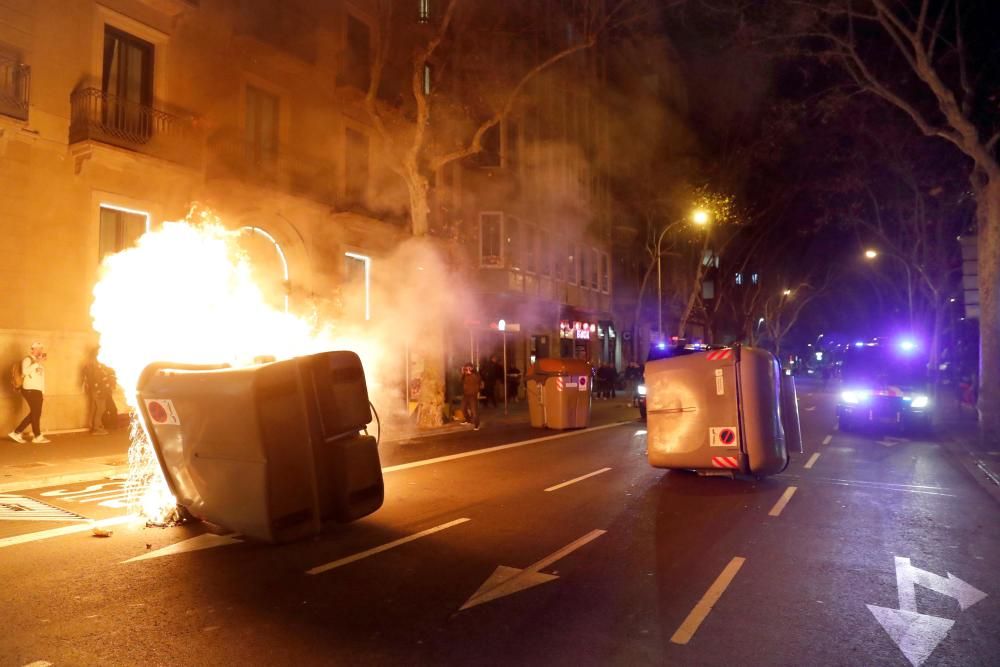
99 381
513 382
492 372
611 379
471 382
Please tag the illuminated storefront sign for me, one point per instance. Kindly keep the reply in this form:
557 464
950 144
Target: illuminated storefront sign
578 330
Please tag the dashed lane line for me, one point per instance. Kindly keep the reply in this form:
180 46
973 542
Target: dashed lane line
577 479
701 610
827 439
319 569
812 461
782 501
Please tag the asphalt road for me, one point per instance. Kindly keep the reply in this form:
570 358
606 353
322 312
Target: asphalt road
494 559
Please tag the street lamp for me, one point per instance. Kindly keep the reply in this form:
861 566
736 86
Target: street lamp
872 254
787 292
700 217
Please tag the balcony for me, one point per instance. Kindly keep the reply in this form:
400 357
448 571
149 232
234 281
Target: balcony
108 119
15 84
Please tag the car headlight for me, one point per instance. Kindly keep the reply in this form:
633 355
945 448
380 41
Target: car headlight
641 390
920 401
855 396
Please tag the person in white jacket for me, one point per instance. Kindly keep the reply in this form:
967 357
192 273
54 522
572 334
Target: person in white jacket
33 390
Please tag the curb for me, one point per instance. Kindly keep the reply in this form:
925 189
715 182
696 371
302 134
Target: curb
974 465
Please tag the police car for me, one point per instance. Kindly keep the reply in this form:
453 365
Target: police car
884 383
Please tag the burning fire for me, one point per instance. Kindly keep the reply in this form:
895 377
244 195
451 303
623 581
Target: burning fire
186 293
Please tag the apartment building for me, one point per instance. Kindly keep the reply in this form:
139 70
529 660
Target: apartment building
118 114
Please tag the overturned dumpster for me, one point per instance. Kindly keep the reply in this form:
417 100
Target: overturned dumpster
726 411
269 451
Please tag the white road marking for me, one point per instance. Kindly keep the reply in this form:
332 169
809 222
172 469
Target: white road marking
577 479
66 530
810 408
22 508
701 610
782 501
508 580
490 450
204 541
319 569
916 634
827 439
812 461
39 663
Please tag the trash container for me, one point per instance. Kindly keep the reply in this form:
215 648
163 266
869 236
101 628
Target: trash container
716 412
559 393
269 451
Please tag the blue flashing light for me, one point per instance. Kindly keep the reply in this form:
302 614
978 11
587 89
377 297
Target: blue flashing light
907 345
855 396
859 343
661 346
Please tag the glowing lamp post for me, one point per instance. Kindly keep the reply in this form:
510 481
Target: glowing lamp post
700 217
871 254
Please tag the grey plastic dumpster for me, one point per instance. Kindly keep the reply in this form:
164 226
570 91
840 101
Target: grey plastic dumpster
269 451
562 393
716 412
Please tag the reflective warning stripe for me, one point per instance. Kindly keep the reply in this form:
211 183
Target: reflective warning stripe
725 462
718 355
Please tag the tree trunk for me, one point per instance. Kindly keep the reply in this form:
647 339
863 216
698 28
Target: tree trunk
417 187
636 327
987 186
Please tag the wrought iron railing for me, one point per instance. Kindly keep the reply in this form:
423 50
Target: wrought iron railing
15 86
98 116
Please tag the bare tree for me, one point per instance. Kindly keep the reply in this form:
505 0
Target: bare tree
915 56
437 128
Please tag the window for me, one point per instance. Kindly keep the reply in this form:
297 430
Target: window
357 64
530 255
709 258
606 272
559 264
261 133
356 156
490 237
595 269
511 150
424 11
739 278
127 83
571 265
427 79
754 278
708 290
120 229
544 258
357 282
582 265
513 240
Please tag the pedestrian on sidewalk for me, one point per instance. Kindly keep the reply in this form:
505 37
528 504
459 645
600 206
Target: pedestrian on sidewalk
471 383
99 382
32 390
492 372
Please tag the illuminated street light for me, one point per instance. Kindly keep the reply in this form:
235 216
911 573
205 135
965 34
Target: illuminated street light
699 217
871 254
787 292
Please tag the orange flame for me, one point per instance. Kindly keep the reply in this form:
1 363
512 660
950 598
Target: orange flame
186 293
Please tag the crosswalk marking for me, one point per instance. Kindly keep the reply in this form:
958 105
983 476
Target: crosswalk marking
22 508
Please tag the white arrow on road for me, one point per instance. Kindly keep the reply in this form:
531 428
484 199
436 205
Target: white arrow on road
916 634
908 576
204 541
508 580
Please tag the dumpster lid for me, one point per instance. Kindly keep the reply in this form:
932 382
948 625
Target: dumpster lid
553 366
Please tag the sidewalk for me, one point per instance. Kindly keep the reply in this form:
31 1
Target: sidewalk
958 428
80 457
